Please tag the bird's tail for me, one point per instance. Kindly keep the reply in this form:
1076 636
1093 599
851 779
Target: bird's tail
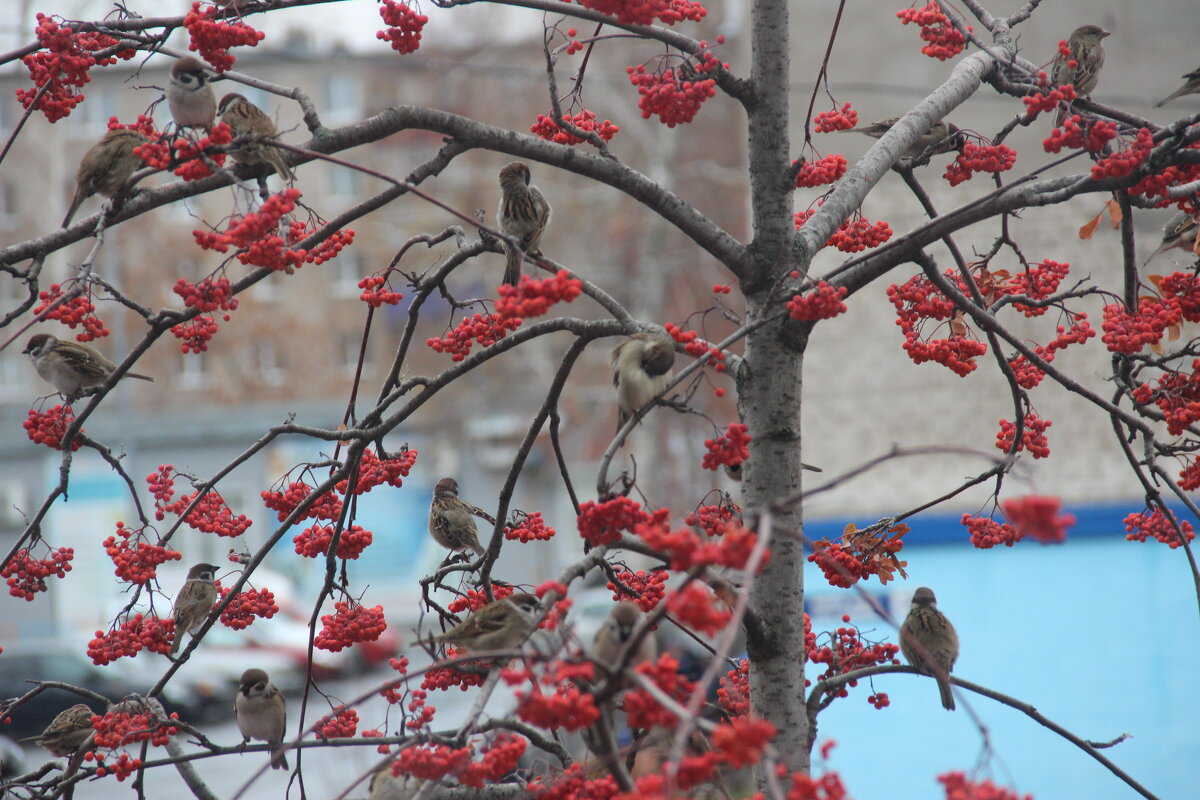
279 759
1180 92
512 265
947 695
138 376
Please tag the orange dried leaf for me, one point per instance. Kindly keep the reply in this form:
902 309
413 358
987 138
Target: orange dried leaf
1087 230
1114 213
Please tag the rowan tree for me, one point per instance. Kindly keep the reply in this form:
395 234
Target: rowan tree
717 567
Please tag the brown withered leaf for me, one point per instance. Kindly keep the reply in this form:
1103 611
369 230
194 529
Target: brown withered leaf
958 325
1114 219
878 552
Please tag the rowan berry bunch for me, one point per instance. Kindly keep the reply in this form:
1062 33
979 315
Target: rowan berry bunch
573 785
807 787
839 119
48 427
474 599
1077 132
825 171
1039 102
602 522
1189 476
62 66
823 302
567 707
328 506
959 787
134 635
255 235
847 651
1029 375
211 514
497 759
27 575
208 295
374 471
861 553
212 37
404 26
246 606
1145 524
162 488
1177 395
546 128
1033 438
729 449
714 520
696 347
975 158
136 560
314 542
1183 288
854 235
674 95
532 297
342 723
325 250
733 692
645 12
443 678
1160 182
986 533
650 587
377 291
528 526
1038 282
696 606
1037 516
486 329
645 712
121 728
79 310
917 301
1128 333
944 40
350 624
1127 159
122 768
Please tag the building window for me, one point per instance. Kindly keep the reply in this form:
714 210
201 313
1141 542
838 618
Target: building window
194 373
343 98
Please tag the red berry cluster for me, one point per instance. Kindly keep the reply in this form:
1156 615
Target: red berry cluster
1126 160
676 101
1143 525
212 38
685 550
959 787
1037 282
979 158
567 708
122 768
848 651
72 313
1129 333
211 515
1189 478
208 295
475 599
823 302
713 520
1033 438
422 715
602 522
49 427
374 471
695 606
733 693
944 40
1160 182
1027 374
134 635
136 560
1037 516
839 119
918 300
650 587
63 65
1037 102
195 334
696 347
533 297
185 156
643 710
245 606
27 575
740 742
859 233
442 678
120 728
405 25
820 173
487 329
729 449
644 12
431 761
546 128
573 785
328 506
314 542
323 251
350 624
1077 132
377 291
1184 289
1177 395
498 759
957 353
342 723
258 229
859 555
528 526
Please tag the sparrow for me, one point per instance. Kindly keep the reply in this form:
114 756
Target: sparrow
191 98
451 521
105 167
245 118
1178 234
1082 67
620 627
523 214
261 713
68 730
71 367
194 602
943 136
386 786
500 625
641 371
927 634
1191 85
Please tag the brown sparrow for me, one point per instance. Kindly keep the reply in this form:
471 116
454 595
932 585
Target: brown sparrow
194 602
620 627
1191 85
191 98
70 367
245 118
261 713
68 730
641 371
942 137
386 786
451 521
1087 55
500 625
105 167
1178 234
927 634
524 214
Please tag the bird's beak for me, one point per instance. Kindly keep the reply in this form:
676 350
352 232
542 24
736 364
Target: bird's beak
1105 34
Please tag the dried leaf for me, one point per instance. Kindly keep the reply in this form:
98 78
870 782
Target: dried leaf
1087 230
1114 213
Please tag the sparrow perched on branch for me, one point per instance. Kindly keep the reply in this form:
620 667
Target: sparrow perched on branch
620 627
261 713
1178 234
1081 68
194 602
71 367
929 642
189 95
943 137
245 118
641 371
452 521
69 729
523 214
1191 85
386 786
500 625
105 167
